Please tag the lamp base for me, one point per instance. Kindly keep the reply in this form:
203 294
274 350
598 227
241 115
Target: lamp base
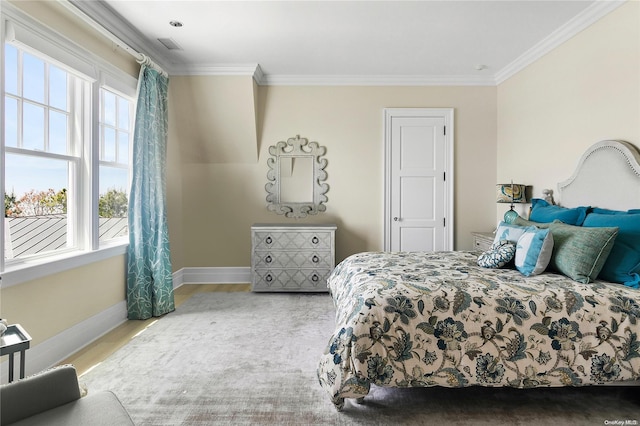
510 216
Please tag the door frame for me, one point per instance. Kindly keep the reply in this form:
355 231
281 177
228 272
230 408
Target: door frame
447 113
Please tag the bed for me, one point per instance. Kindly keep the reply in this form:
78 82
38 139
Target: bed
419 319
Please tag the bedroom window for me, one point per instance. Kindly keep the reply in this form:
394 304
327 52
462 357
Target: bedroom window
65 154
42 156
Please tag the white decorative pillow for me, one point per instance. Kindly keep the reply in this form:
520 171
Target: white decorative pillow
533 251
509 232
500 254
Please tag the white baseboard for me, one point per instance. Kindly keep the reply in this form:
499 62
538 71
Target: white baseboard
221 275
59 347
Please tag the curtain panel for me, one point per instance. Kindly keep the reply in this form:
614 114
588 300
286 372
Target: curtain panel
149 274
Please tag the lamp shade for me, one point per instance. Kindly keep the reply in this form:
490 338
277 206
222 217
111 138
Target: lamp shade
510 193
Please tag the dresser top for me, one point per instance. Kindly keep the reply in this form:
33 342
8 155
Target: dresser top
293 226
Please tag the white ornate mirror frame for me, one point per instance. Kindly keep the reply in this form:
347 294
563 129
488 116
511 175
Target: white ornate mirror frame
286 153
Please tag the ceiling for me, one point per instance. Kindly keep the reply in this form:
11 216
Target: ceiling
348 42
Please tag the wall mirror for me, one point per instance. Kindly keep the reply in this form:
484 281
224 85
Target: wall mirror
295 177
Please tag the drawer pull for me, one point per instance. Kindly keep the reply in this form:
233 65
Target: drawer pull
315 240
268 278
315 278
315 259
269 240
268 259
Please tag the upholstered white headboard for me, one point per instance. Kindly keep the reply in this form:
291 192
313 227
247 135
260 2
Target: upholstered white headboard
607 176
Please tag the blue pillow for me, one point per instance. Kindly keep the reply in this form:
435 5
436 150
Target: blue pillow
533 251
509 232
607 211
541 211
623 264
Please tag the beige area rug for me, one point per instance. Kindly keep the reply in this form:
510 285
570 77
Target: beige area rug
250 359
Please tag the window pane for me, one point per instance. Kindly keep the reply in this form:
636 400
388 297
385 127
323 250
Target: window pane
123 113
10 69
113 202
58 133
58 88
32 127
123 147
109 102
109 145
11 122
33 84
114 179
25 173
37 207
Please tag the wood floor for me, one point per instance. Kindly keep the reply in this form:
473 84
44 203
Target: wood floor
96 352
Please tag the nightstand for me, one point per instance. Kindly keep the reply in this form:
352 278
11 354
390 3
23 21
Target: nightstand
482 241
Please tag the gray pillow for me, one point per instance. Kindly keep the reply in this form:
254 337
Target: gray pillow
578 252
520 221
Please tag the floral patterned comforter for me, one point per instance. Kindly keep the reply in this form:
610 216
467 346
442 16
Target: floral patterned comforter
416 319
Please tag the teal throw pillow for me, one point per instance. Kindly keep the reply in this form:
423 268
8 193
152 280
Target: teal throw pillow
580 252
623 264
541 211
598 210
500 254
533 251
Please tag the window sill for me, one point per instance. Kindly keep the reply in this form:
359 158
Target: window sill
32 270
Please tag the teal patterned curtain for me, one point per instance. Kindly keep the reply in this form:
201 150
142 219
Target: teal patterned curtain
149 278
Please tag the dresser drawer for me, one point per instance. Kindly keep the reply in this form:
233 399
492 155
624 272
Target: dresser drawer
282 240
290 279
293 259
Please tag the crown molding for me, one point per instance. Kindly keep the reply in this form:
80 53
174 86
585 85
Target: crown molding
253 70
100 16
376 80
587 17
263 79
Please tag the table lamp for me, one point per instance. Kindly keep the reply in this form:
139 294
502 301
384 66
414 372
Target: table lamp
510 193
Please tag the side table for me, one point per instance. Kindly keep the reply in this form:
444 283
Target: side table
482 241
15 339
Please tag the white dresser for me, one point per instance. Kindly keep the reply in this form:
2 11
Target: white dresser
291 257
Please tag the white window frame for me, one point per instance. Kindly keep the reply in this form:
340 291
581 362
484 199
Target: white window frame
22 30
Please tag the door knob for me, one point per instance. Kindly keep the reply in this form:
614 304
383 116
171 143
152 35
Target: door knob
395 219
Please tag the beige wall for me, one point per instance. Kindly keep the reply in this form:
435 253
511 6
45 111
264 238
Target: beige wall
48 306
584 91
222 200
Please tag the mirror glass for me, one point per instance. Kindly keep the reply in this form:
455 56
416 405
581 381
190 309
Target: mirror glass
296 184
295 177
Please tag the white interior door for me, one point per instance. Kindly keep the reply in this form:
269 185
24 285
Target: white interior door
418 203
